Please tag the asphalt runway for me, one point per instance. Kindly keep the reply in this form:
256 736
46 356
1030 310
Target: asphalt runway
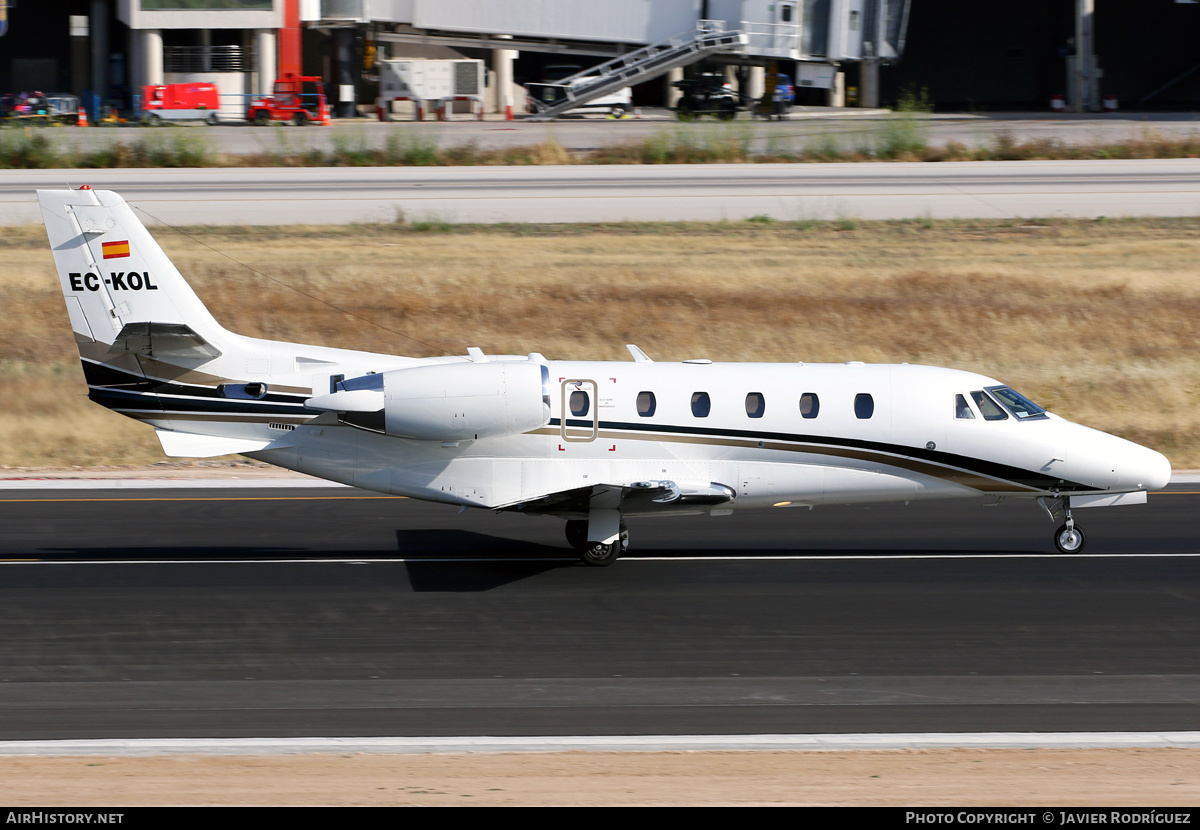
615 193
331 612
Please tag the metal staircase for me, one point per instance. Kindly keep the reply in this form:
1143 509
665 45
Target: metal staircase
709 37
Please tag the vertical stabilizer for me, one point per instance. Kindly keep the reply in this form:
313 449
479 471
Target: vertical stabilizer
114 276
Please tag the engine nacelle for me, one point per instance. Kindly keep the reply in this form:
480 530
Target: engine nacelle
462 401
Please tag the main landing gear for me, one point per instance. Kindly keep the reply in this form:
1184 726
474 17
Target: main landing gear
596 553
1069 538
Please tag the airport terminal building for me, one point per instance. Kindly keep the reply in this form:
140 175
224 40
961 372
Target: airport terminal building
1015 55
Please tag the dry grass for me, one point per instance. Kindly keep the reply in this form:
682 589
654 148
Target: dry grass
1096 320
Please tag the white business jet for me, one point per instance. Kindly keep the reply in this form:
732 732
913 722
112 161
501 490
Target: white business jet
590 442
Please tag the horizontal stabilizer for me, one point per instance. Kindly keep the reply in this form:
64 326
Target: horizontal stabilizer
163 340
190 445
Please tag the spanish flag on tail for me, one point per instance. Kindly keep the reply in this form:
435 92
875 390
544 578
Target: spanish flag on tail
114 250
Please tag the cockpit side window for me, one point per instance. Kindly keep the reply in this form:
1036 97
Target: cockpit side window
988 407
962 409
1016 403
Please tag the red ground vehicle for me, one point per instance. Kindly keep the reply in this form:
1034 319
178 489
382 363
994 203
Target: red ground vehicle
299 99
181 102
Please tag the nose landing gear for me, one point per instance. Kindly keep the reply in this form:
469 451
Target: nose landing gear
1068 538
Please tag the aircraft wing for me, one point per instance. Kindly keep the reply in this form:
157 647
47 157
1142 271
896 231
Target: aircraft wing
632 497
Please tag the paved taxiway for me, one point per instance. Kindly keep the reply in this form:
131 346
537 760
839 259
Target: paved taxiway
611 193
307 612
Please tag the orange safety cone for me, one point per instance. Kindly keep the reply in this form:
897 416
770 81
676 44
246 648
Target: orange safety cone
81 121
323 113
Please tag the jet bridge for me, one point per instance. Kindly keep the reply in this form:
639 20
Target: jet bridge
647 63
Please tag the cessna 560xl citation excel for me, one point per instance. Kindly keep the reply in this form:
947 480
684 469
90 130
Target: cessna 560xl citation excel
593 443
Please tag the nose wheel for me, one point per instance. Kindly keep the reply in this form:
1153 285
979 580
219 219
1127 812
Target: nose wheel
1069 538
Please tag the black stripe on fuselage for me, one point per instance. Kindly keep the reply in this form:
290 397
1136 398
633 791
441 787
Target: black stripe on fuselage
1026 478
151 402
117 389
110 377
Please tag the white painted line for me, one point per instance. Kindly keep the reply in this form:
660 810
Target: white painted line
615 743
568 556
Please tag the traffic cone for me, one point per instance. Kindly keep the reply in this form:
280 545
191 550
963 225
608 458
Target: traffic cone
323 113
81 121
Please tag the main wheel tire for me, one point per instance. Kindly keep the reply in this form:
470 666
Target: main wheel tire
599 554
261 118
1069 540
154 119
576 530
300 119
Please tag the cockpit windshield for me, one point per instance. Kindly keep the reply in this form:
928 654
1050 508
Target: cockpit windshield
988 407
1016 403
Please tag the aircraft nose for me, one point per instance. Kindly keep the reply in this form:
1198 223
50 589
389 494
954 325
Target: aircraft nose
1147 469
1118 464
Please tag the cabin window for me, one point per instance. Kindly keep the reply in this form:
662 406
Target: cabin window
864 406
988 407
1017 404
810 405
646 404
701 404
756 405
962 409
579 403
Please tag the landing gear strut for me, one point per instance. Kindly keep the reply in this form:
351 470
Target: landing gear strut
597 554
